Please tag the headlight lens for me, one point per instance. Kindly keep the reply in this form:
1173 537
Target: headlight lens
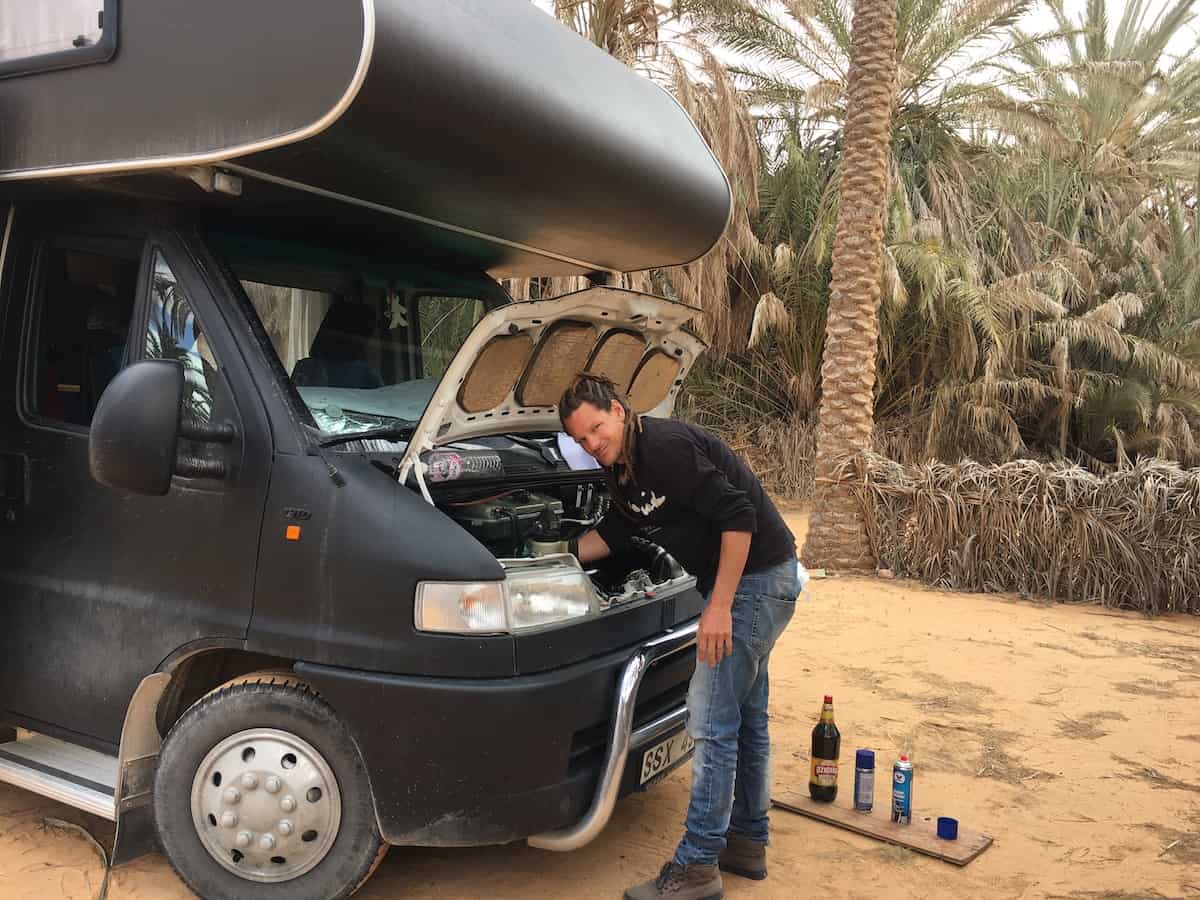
537 598
533 595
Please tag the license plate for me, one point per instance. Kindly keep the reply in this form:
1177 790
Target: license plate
666 755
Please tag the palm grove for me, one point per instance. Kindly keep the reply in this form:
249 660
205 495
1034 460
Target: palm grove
1039 270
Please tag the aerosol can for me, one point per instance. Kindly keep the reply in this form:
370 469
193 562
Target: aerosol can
902 778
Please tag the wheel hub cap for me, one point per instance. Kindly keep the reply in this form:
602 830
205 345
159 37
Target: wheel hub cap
266 805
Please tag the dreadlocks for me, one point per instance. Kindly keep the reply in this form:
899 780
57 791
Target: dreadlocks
600 392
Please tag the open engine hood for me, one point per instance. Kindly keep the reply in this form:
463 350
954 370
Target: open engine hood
515 364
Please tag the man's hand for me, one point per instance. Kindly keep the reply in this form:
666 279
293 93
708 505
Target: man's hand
714 640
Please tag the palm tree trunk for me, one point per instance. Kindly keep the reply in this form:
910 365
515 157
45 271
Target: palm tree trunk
837 537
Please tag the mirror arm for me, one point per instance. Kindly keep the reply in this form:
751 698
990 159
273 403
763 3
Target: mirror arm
195 467
206 432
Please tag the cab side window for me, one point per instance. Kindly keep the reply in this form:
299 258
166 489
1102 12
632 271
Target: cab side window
84 316
174 332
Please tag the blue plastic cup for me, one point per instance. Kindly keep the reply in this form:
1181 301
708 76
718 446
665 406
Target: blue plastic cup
947 828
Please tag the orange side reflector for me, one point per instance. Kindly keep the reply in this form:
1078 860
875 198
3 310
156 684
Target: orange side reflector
293 533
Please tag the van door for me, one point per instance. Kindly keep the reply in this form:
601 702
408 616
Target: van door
98 587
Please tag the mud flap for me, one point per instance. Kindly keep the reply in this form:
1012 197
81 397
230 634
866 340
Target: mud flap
135 836
140 742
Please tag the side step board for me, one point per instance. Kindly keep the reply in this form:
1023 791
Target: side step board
64 772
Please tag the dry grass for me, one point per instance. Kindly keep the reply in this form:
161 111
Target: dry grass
1179 847
1071 651
779 453
1112 895
1147 687
1130 539
994 759
1156 778
1087 727
894 854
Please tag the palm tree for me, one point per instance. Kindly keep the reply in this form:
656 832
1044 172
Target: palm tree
721 282
945 301
1122 114
837 537
1105 124
794 60
626 29
1015 223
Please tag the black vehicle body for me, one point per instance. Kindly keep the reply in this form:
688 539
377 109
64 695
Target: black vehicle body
423 136
480 130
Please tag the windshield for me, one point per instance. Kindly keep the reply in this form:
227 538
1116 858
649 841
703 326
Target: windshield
364 346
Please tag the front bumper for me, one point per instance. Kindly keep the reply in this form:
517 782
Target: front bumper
463 762
622 740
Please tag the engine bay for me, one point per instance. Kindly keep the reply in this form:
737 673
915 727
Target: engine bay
521 523
518 525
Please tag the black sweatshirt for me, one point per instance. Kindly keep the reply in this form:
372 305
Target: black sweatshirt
690 487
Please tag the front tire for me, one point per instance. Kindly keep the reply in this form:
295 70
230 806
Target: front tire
261 794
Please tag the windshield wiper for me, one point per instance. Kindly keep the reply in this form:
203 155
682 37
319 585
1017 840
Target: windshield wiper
548 451
384 432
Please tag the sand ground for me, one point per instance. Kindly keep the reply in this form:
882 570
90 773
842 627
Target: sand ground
1070 734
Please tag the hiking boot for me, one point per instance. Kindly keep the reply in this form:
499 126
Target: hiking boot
676 882
745 857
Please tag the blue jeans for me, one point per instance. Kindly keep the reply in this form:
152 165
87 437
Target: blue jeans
727 706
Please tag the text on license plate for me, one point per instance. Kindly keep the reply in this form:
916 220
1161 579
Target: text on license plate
665 754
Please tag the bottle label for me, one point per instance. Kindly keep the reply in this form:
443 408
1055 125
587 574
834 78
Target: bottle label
864 788
824 772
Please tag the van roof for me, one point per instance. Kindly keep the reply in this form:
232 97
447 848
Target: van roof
489 130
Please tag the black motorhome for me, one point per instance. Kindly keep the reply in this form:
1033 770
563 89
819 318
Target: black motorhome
283 506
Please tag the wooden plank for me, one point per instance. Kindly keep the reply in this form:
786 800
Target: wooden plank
920 836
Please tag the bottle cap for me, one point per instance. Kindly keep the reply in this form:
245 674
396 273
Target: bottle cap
829 698
947 828
864 759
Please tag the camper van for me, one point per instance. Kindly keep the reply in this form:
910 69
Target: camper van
284 501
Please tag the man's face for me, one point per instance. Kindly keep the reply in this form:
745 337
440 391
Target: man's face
598 431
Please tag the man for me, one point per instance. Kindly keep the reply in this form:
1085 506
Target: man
713 516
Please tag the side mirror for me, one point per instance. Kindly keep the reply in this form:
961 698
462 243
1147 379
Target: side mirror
135 431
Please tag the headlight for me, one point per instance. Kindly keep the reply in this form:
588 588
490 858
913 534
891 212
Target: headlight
546 596
535 594
461 608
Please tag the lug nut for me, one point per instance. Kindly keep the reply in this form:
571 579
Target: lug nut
231 796
288 804
285 828
229 819
244 838
249 781
273 784
267 842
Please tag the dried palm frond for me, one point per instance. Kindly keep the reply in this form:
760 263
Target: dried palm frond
769 315
1127 539
630 30
723 119
626 29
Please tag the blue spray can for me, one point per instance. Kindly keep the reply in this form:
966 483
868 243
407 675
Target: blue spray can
864 780
902 778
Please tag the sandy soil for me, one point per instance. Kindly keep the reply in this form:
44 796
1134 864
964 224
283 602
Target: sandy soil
1070 734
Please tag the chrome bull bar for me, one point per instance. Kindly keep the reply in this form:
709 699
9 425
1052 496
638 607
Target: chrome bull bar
622 737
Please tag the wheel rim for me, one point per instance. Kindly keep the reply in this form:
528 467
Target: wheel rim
266 805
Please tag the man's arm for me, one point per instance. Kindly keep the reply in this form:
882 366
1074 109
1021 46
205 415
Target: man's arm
590 547
714 640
